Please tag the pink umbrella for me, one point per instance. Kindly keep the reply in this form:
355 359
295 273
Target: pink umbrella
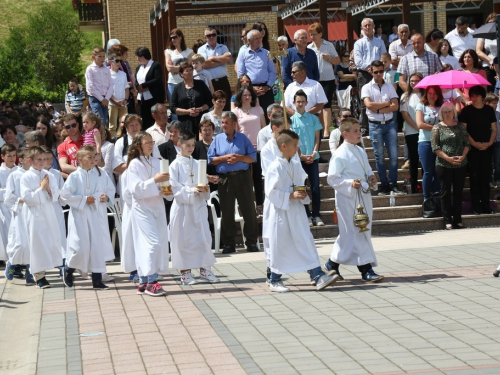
452 79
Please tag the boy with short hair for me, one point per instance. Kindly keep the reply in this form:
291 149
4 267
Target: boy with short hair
39 191
201 74
190 236
86 191
389 73
9 155
118 101
18 245
351 176
492 100
308 127
286 235
98 84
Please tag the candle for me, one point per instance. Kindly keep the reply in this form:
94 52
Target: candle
202 173
164 165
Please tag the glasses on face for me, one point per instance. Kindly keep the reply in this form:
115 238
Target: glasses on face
173 37
244 80
377 71
243 36
117 61
295 72
148 143
69 126
313 35
345 116
347 55
262 29
211 35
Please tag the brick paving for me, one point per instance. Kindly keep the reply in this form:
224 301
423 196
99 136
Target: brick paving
437 312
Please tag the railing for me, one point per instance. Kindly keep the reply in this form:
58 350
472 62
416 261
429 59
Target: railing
90 11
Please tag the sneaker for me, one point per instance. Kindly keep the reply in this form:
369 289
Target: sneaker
42 283
134 277
395 189
496 273
99 286
330 271
67 279
383 189
142 288
9 271
406 165
313 282
326 280
30 280
107 278
278 287
155 290
371 277
208 276
18 274
319 222
188 279
310 220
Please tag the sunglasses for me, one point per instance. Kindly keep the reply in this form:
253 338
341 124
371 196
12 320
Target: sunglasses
173 37
294 72
244 80
377 71
211 35
346 56
69 126
117 61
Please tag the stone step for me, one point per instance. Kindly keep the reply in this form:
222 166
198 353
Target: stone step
366 141
326 154
383 213
401 179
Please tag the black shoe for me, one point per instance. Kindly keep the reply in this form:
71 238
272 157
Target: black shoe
459 226
67 278
252 249
383 189
395 189
99 285
42 283
229 249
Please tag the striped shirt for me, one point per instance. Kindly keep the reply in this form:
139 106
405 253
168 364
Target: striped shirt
426 64
75 101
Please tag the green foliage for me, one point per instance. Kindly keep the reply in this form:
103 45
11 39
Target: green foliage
42 55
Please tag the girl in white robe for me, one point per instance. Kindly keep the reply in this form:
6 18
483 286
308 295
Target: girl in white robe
286 231
8 152
39 191
350 174
127 258
86 191
190 237
149 221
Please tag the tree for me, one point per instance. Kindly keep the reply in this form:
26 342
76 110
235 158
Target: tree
44 52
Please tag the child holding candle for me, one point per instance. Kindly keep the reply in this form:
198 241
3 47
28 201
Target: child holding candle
190 244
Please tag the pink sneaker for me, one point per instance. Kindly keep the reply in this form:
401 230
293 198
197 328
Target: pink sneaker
155 290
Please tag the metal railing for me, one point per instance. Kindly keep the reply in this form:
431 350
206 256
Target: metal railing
88 12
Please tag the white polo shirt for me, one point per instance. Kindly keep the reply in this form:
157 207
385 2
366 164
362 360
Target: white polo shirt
378 94
313 89
460 43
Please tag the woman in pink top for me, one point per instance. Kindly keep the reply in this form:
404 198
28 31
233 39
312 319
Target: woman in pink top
250 121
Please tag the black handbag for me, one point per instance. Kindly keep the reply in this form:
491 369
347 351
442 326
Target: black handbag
431 207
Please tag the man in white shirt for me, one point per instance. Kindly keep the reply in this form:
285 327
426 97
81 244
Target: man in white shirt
401 46
316 97
159 131
266 133
381 101
460 38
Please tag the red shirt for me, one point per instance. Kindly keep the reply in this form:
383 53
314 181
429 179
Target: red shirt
68 150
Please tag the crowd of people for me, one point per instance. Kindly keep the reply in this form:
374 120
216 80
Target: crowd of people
116 139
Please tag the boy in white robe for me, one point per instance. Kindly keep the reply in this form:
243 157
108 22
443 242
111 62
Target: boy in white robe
86 191
39 191
17 245
285 231
8 152
190 237
350 171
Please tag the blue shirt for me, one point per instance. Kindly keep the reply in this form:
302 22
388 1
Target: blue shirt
309 58
239 144
257 66
306 126
367 50
220 49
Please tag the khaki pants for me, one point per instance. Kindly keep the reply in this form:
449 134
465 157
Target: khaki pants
115 114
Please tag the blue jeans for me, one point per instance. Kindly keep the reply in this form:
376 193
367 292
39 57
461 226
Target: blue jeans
312 171
315 274
170 90
496 161
385 135
430 182
98 109
148 279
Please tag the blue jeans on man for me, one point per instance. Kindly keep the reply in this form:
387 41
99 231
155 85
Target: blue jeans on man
98 109
430 181
385 134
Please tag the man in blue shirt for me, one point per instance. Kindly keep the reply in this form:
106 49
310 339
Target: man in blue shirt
300 53
255 63
232 153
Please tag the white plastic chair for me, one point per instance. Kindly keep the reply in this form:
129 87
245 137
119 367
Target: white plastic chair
217 220
115 211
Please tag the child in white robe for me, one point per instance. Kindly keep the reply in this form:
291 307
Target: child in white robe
8 152
190 237
17 245
39 191
348 172
127 256
86 191
149 221
285 231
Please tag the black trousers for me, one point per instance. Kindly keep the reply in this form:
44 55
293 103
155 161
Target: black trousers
480 173
147 118
224 85
363 78
257 181
412 144
237 186
451 208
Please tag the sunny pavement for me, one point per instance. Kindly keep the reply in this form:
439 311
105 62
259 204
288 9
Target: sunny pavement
437 312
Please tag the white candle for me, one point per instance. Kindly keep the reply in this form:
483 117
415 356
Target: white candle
164 165
202 173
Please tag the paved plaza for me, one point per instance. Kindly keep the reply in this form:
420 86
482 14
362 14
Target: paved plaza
437 312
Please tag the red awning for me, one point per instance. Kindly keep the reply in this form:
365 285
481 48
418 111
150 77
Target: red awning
337 28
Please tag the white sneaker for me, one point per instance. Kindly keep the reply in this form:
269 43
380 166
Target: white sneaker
107 278
188 279
310 219
278 287
208 276
325 281
319 222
